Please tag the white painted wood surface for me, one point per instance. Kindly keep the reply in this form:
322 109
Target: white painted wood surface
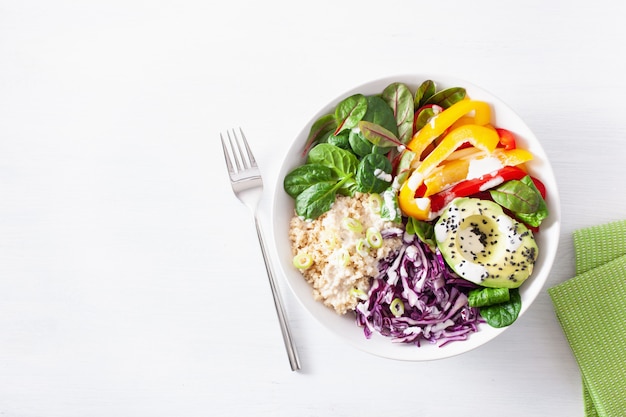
131 282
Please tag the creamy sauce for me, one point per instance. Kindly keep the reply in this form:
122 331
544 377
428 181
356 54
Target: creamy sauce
382 175
481 166
471 270
415 180
423 203
494 182
390 204
513 242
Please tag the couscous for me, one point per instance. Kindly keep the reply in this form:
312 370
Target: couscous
343 247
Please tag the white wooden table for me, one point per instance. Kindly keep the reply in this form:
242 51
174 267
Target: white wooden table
131 282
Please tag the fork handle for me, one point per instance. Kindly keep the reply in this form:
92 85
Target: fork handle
294 360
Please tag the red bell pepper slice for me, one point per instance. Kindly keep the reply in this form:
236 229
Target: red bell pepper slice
540 186
474 186
507 138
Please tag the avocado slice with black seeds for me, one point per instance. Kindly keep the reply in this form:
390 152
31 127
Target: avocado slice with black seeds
484 245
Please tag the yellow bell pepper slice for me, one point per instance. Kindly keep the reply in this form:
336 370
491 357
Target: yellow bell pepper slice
438 124
512 157
465 153
483 138
455 169
418 208
445 175
464 120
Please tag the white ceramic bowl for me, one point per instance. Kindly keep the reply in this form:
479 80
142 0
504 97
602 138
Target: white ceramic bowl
344 326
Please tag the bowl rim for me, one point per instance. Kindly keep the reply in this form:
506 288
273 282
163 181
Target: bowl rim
379 345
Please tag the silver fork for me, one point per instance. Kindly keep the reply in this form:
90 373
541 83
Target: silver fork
245 178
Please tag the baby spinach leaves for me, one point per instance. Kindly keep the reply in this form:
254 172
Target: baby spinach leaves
305 176
379 113
373 174
428 101
393 110
427 94
350 111
424 116
400 100
341 140
321 128
378 135
331 170
425 91
317 199
359 144
500 307
342 162
447 97
350 150
523 199
482 297
425 231
505 313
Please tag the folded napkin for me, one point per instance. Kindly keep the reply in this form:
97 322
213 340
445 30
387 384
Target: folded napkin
591 308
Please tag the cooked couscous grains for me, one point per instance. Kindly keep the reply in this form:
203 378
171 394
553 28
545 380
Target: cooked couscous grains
343 260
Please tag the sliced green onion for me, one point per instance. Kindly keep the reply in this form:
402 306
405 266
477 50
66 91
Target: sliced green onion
343 256
361 247
359 294
376 202
397 307
302 261
374 238
353 224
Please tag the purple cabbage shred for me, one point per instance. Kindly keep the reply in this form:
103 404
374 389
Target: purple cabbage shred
435 301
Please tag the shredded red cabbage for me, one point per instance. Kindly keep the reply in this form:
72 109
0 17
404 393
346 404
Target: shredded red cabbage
434 298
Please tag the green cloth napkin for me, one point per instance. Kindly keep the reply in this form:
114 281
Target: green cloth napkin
591 308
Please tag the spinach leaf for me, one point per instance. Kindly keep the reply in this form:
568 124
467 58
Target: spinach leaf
302 177
535 218
349 112
348 187
400 99
359 145
516 196
424 117
342 162
378 135
523 199
373 174
315 200
426 90
482 297
504 314
319 130
329 170
379 112
446 98
425 231
404 165
341 140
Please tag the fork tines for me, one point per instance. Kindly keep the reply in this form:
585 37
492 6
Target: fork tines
235 154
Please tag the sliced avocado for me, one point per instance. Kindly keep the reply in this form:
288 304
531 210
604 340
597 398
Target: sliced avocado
484 245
